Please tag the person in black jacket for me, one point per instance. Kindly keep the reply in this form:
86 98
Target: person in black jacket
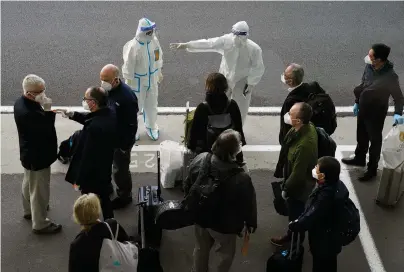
125 103
90 167
38 150
216 102
236 209
379 82
319 217
298 91
85 250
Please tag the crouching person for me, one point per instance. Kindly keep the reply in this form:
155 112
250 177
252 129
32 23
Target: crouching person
233 202
319 217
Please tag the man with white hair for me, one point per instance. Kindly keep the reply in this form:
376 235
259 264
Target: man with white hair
242 62
38 150
143 61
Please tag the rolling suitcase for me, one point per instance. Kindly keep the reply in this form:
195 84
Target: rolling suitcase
390 186
149 199
287 260
149 257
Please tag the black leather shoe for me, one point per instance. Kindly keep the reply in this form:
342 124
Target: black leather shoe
369 175
354 161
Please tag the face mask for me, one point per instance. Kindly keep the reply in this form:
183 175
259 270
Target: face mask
368 60
287 119
85 105
283 79
106 86
40 98
314 173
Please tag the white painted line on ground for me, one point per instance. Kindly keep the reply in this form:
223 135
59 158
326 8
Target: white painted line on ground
246 148
181 110
365 236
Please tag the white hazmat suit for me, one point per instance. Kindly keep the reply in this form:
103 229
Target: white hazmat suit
143 61
242 62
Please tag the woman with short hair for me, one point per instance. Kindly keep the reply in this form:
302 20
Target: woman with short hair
86 247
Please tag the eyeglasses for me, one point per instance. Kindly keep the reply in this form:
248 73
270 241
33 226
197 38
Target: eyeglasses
87 99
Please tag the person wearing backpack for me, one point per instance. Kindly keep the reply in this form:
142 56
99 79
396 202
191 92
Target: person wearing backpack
85 250
213 116
220 188
320 215
324 115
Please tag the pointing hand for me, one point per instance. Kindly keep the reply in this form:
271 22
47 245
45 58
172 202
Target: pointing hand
178 46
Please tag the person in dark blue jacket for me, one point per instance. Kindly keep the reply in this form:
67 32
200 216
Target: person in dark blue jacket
319 216
125 103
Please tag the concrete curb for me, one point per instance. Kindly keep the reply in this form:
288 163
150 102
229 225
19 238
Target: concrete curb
265 111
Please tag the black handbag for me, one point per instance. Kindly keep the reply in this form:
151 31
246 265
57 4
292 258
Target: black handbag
279 203
171 215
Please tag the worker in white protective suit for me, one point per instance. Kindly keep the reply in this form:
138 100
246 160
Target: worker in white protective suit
143 61
242 63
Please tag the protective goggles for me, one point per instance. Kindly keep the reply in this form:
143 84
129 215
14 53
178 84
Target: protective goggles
147 28
239 33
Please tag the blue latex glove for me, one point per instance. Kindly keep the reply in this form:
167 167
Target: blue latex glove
398 119
356 109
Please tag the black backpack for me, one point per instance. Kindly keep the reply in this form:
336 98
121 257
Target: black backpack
204 196
348 222
324 114
326 145
217 123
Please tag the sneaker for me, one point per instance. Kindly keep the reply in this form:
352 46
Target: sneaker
354 161
368 176
51 229
280 241
120 203
153 134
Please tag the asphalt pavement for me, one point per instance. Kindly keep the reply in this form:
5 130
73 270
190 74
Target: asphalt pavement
24 251
67 43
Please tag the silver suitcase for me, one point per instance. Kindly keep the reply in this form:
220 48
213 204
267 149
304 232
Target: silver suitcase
390 186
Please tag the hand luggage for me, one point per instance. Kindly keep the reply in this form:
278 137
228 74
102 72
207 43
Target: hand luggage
171 215
149 257
390 186
149 199
287 260
279 203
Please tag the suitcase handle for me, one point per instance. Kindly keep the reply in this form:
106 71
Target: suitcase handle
291 245
158 177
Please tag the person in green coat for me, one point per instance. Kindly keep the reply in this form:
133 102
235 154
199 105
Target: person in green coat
297 158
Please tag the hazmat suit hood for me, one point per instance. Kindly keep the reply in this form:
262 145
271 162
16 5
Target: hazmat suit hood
144 26
240 31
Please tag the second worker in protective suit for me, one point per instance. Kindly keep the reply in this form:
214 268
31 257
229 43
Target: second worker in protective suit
143 60
242 62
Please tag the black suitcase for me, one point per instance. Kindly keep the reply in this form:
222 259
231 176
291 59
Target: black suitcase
287 260
149 199
149 257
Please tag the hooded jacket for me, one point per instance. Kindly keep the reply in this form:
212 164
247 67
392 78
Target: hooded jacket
374 92
319 217
238 205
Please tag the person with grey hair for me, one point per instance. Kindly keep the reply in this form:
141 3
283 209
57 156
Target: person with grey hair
298 91
235 206
38 150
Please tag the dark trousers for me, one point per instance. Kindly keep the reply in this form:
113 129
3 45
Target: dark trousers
369 129
295 208
121 173
106 204
324 264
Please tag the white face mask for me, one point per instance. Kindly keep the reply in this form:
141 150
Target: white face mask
314 173
287 119
106 86
368 60
40 98
85 105
283 79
